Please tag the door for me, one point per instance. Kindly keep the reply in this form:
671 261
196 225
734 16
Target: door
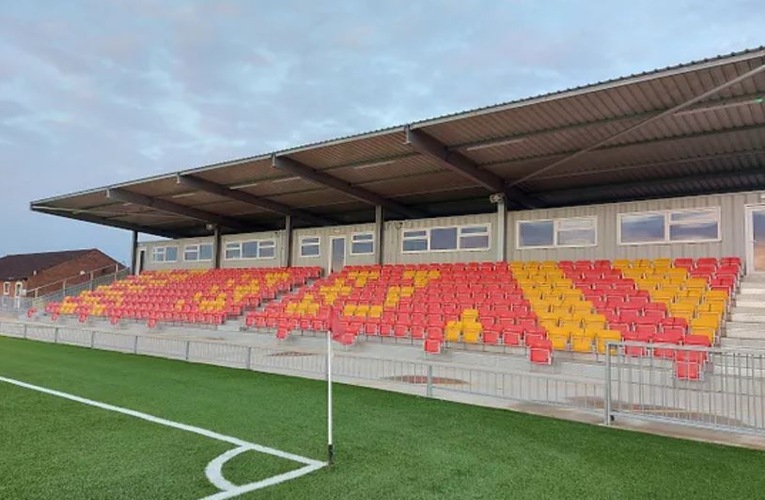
337 254
756 239
141 260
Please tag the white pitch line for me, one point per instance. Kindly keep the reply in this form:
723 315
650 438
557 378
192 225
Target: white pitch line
213 471
246 488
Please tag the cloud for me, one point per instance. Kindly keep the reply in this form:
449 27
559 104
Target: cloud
94 92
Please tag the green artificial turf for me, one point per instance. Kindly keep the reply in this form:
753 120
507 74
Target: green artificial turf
388 445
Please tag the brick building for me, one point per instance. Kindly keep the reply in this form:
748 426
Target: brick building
37 274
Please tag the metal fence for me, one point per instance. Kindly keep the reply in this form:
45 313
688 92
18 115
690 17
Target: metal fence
715 388
20 305
15 305
426 378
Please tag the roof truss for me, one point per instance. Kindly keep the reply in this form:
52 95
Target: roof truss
256 201
301 170
464 166
85 217
175 208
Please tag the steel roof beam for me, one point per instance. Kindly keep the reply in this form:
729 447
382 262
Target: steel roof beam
256 201
667 185
458 163
686 137
674 109
175 208
84 217
485 143
294 167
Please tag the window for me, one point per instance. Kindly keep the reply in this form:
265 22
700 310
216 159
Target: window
255 249
554 233
19 289
444 239
671 226
474 237
362 244
203 251
415 241
6 288
310 246
164 254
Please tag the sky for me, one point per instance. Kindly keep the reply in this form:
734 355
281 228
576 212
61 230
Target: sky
94 92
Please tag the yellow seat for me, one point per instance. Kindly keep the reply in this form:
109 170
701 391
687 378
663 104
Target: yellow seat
570 323
605 336
559 338
452 331
471 332
621 264
582 342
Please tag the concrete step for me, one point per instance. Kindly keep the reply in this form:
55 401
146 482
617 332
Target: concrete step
754 278
739 329
741 343
752 287
748 314
751 301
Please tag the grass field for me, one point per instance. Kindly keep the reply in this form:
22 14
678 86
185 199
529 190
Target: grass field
388 445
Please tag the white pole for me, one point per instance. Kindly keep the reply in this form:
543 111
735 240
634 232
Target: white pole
330 449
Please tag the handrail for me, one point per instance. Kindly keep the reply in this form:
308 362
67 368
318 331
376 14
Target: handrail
35 291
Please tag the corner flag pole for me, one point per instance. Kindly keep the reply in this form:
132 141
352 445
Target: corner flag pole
330 448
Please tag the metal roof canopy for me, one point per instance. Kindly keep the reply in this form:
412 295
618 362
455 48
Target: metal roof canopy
636 137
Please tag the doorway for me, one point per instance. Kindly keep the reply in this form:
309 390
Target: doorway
337 254
141 261
755 236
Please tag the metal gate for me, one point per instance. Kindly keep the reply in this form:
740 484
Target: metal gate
707 387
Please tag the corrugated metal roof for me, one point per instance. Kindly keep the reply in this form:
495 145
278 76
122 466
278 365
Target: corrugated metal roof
538 143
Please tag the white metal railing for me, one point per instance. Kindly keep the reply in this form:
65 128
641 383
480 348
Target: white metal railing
720 388
427 378
102 275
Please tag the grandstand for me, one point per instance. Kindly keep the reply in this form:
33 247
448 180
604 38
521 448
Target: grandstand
631 210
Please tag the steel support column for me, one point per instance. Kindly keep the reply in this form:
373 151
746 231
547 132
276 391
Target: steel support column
217 240
134 254
288 242
379 234
501 231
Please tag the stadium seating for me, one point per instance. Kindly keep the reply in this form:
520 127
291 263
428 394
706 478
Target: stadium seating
545 307
184 296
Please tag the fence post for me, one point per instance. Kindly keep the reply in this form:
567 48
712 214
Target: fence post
188 347
249 358
429 383
135 344
607 387
55 335
25 330
92 339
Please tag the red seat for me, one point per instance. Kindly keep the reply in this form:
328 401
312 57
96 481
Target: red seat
432 346
490 337
540 352
688 369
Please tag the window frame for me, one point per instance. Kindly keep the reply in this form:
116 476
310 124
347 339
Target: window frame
667 214
459 228
6 288
198 246
239 245
301 245
372 240
556 230
156 250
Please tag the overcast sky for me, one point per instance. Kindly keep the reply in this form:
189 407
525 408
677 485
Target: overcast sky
98 91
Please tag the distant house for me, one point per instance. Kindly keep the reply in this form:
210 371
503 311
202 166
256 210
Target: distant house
37 274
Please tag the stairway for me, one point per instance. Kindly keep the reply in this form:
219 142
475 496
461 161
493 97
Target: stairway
746 325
